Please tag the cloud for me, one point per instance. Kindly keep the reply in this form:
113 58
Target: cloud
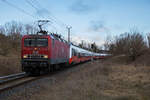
95 32
88 38
98 26
83 6
42 12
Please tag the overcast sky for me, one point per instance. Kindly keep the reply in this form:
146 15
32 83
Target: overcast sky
91 20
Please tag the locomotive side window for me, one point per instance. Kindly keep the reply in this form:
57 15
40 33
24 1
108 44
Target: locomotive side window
36 42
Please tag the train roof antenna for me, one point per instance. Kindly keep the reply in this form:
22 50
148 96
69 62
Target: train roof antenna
40 24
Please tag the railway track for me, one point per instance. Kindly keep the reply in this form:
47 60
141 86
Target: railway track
10 81
8 78
14 80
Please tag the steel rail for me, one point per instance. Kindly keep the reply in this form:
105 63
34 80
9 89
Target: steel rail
8 78
16 83
12 75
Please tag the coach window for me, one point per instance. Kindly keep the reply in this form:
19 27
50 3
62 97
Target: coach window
74 53
79 55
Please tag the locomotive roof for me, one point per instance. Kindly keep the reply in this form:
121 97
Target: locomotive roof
34 36
53 36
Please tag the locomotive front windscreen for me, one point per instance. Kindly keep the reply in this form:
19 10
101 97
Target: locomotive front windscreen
38 42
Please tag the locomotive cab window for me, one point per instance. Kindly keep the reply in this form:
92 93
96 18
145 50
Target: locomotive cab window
36 42
42 42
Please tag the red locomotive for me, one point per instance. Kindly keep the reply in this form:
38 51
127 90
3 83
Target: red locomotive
44 52
40 52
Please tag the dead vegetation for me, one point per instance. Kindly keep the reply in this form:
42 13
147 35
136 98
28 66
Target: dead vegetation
97 80
10 46
101 80
131 44
129 80
9 65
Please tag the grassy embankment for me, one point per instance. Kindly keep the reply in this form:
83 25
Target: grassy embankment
111 79
9 64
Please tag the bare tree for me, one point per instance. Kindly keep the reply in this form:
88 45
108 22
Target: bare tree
30 29
4 44
10 36
131 44
108 41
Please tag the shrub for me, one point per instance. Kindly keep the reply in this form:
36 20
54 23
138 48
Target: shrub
129 44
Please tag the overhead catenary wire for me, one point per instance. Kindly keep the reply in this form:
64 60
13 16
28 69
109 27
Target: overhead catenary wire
52 17
28 1
36 5
18 8
53 27
31 3
56 20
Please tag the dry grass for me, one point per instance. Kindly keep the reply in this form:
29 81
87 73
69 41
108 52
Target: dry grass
9 65
102 81
98 80
129 80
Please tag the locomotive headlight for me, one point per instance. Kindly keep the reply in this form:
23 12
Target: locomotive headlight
45 56
25 56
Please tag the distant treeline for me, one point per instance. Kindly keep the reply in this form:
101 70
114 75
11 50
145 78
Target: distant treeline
131 44
11 33
10 36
